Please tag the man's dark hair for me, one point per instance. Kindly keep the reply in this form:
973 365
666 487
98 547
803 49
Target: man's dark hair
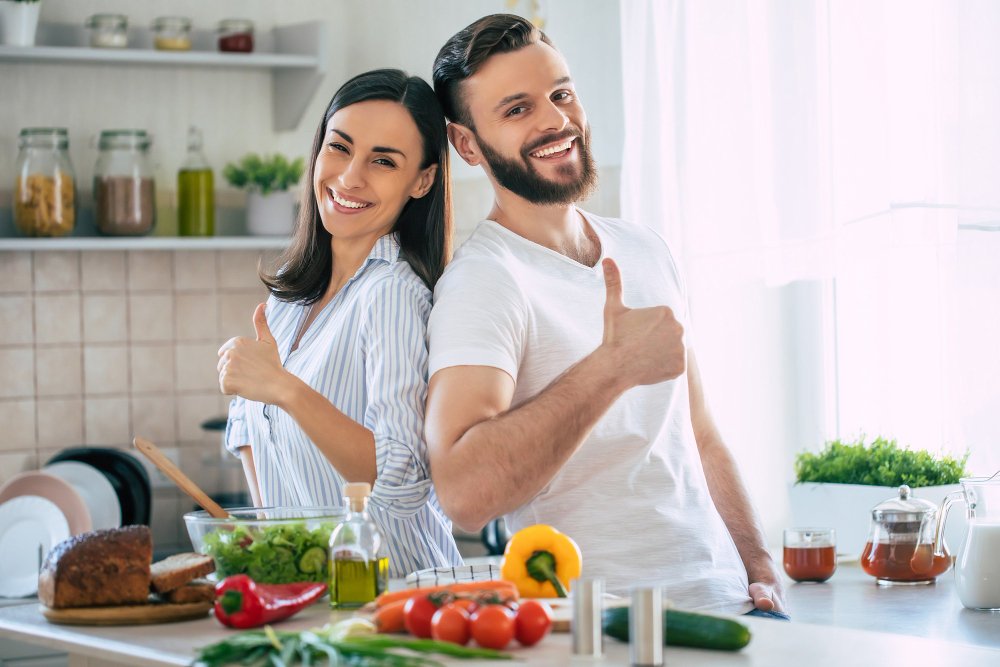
468 49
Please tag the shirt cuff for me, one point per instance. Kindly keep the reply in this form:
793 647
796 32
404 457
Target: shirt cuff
402 485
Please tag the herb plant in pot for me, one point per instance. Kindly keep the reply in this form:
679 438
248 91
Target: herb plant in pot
838 486
270 202
18 22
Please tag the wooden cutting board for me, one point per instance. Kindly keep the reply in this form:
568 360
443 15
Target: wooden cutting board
135 614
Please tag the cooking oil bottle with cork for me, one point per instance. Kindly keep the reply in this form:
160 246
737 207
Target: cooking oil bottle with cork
195 191
359 566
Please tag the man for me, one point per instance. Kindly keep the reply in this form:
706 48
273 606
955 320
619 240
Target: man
561 390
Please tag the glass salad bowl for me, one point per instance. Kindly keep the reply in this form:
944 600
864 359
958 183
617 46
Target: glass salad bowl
275 545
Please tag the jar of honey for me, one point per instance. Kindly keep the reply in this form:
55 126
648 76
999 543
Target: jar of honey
900 548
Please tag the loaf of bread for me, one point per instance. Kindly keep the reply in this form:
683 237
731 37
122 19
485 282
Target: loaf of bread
198 590
100 568
174 571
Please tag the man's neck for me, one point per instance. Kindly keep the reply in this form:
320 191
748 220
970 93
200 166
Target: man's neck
561 228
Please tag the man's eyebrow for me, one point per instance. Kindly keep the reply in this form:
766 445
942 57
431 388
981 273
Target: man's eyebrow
375 149
519 96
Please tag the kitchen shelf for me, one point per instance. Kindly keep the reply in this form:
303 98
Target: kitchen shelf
146 243
295 55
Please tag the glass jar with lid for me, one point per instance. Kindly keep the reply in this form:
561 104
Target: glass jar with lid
108 31
900 548
172 33
236 35
44 187
124 190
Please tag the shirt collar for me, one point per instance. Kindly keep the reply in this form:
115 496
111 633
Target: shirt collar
386 249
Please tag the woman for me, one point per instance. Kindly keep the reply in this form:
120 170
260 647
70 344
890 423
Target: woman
332 390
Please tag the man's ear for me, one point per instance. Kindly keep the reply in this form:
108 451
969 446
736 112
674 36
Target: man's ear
425 182
464 141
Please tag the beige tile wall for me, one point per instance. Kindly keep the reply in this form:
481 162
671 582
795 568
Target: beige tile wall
96 347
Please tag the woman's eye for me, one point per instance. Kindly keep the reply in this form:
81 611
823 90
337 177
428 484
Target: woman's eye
385 162
338 147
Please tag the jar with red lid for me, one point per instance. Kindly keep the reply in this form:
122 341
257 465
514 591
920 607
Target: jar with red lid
236 36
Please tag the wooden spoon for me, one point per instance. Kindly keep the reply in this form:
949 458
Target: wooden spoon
167 467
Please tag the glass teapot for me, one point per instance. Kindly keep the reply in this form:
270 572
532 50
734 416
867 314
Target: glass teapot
977 569
901 545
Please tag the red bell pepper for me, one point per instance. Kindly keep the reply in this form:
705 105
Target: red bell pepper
240 602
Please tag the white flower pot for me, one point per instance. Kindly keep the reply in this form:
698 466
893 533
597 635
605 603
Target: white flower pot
847 508
272 214
18 22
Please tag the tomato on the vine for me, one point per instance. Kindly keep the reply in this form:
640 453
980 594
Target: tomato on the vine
451 624
493 626
417 614
533 622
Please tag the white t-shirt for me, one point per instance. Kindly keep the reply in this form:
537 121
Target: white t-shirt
634 496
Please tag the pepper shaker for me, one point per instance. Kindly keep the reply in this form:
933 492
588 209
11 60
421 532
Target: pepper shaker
588 602
645 622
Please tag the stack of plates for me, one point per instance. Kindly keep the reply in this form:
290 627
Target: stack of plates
80 489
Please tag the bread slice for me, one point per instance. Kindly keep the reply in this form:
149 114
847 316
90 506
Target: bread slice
199 590
173 572
99 568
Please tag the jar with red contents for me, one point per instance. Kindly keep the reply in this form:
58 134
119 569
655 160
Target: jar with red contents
236 36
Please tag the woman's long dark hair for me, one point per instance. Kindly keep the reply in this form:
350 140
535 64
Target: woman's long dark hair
302 273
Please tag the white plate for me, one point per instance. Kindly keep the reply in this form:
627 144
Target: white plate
29 527
97 492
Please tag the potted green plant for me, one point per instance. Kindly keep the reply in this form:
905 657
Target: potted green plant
270 202
838 486
18 22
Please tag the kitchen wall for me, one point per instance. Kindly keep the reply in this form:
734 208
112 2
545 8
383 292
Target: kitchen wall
99 346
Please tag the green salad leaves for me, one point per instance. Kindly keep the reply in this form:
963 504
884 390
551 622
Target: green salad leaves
277 554
882 463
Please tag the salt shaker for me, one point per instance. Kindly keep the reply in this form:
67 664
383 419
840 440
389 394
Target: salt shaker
645 622
588 600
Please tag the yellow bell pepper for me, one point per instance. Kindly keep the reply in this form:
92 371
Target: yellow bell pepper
541 562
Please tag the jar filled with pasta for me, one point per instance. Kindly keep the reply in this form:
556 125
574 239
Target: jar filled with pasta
44 188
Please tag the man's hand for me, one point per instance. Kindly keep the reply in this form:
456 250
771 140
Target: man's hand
252 368
648 343
768 596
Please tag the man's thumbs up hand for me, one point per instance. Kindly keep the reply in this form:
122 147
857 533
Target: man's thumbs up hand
647 343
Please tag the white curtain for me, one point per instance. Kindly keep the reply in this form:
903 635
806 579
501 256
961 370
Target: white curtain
828 172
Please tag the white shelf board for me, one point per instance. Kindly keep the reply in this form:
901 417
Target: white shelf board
83 54
145 243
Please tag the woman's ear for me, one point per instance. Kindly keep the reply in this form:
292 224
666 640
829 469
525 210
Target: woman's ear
464 142
425 182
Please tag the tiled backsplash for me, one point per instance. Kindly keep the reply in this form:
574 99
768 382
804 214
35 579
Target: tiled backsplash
100 346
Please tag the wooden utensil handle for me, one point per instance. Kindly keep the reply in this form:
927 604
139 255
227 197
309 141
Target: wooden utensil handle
167 467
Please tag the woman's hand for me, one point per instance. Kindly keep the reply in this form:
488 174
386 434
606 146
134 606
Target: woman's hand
252 368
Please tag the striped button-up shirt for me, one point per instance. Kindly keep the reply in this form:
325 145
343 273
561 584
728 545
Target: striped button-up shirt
366 351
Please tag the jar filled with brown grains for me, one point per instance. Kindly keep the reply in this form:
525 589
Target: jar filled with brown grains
44 188
124 191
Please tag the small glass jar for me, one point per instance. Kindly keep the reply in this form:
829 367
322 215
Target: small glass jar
236 36
124 190
44 189
172 33
108 31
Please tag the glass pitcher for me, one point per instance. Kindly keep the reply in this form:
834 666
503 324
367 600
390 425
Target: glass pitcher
977 569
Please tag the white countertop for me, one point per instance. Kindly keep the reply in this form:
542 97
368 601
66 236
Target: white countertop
915 625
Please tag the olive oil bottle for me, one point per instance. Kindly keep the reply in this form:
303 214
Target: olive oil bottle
359 570
195 191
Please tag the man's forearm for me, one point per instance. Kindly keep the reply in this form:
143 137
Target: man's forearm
524 447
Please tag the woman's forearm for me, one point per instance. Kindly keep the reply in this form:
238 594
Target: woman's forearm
346 444
250 470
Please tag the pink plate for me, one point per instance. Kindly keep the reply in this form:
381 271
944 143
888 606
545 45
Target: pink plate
50 487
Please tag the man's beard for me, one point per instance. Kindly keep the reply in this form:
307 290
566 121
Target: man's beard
521 177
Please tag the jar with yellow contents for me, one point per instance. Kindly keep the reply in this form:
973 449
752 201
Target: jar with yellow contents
44 186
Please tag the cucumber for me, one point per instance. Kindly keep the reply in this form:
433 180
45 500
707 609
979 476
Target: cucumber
312 560
684 628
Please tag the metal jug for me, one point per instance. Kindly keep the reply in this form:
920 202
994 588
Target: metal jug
977 568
